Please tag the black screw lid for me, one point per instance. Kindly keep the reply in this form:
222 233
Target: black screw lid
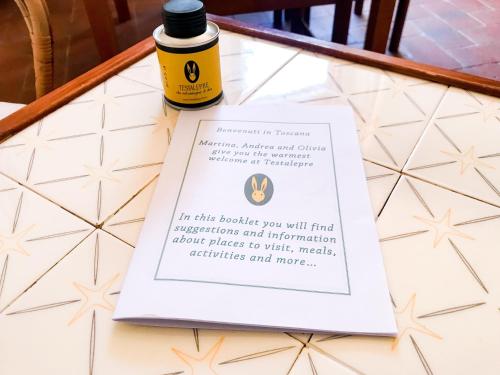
184 18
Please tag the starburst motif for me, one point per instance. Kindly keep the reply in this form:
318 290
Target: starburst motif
101 173
101 132
94 297
14 242
151 73
104 99
371 128
443 228
487 109
36 142
342 96
399 87
201 365
162 123
407 322
468 159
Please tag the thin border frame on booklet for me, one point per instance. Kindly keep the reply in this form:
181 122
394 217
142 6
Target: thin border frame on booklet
250 285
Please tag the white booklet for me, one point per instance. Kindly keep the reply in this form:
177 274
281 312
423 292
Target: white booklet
261 220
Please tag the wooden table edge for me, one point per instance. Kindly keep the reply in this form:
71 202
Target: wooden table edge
64 94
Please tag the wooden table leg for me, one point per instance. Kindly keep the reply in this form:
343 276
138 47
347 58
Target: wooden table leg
103 27
278 19
122 10
379 24
399 23
306 15
358 7
297 23
341 21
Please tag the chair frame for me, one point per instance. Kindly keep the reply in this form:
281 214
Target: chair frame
297 12
36 17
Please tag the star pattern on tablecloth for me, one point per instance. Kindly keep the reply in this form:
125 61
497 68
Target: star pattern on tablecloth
162 124
148 71
93 297
370 127
488 109
104 99
42 141
165 122
449 234
201 365
466 159
204 364
400 87
38 141
100 173
31 144
443 228
97 175
408 323
14 243
378 133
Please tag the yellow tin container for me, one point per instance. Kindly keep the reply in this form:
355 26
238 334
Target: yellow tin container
188 52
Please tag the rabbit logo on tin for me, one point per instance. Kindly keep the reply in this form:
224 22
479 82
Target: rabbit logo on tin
192 71
258 189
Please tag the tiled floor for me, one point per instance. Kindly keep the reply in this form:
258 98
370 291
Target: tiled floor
456 34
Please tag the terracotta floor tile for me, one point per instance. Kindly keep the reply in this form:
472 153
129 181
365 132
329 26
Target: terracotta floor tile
477 55
469 5
461 21
438 6
451 39
483 35
423 49
416 11
487 70
411 29
492 4
443 34
488 16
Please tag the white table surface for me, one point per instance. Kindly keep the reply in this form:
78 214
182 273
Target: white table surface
75 186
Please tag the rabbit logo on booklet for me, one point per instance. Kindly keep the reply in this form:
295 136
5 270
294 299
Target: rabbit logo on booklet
259 189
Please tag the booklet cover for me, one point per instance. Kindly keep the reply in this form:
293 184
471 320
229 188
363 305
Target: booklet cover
261 220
